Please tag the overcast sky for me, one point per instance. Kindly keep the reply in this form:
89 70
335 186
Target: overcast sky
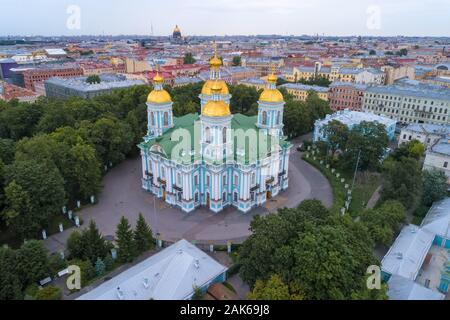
226 17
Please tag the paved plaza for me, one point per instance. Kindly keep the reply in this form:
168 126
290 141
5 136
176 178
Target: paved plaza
122 195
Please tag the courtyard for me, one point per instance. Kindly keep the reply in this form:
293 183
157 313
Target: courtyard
122 195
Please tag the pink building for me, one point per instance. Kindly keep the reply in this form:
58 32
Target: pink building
346 95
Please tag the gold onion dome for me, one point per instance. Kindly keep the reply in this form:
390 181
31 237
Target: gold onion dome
159 95
207 87
271 94
215 108
177 29
215 62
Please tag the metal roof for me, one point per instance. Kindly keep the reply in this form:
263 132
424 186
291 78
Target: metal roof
401 288
437 220
170 274
405 257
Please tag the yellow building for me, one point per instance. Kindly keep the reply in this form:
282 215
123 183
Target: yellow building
301 91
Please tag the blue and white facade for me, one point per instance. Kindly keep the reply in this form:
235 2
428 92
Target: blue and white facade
216 159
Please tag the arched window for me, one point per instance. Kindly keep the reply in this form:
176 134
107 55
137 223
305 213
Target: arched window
166 119
264 117
152 118
224 196
196 197
207 134
224 135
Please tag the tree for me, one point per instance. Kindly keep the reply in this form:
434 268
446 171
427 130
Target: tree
237 61
7 150
402 181
336 134
372 52
92 79
371 140
32 262
272 289
434 186
125 241
11 286
412 149
49 293
143 236
111 137
43 183
384 222
94 245
88 245
100 267
188 58
19 214
109 262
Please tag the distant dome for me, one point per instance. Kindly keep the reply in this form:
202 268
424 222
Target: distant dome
177 33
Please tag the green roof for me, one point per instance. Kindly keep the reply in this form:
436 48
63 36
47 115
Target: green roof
239 122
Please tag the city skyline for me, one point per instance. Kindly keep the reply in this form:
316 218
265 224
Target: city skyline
225 17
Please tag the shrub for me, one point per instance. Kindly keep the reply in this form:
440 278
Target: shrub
49 293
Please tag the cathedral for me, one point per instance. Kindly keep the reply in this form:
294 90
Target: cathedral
215 159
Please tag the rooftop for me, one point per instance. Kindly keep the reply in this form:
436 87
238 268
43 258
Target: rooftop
414 89
442 147
437 220
424 128
171 274
305 87
108 81
401 288
350 118
407 254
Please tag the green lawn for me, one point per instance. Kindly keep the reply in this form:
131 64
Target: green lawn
365 185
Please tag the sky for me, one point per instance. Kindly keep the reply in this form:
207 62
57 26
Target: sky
226 17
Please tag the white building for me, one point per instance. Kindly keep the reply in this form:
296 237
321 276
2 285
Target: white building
370 76
350 119
171 274
409 102
438 157
427 134
404 289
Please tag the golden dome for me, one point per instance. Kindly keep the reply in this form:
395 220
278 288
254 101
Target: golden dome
158 79
272 78
215 62
216 109
271 95
207 87
159 96
177 29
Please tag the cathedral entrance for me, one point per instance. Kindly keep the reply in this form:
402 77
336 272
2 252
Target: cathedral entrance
269 195
164 195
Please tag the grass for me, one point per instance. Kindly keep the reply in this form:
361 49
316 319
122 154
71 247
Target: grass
365 185
339 192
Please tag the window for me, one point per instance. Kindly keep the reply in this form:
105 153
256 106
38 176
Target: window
224 135
179 179
235 196
264 117
163 173
152 118
224 179
224 196
236 180
207 179
208 135
166 119
196 179
445 164
196 197
253 179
